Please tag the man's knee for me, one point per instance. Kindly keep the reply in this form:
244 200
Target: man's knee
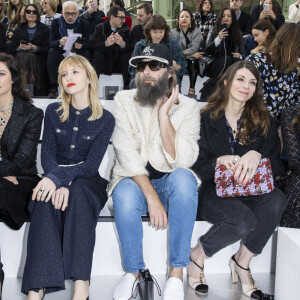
127 197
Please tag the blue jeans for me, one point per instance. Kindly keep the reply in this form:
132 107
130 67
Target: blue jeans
178 193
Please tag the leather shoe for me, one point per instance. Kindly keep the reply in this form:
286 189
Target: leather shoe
173 289
53 93
125 288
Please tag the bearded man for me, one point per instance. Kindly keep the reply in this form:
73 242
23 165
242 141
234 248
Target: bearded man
155 142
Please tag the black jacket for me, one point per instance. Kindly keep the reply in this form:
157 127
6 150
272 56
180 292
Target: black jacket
137 34
103 31
214 142
2 37
40 38
20 139
94 19
231 45
245 23
84 29
255 13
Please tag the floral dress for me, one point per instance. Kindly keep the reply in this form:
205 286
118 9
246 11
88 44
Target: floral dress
280 90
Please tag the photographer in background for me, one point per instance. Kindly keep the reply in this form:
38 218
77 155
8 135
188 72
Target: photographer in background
69 23
111 45
92 14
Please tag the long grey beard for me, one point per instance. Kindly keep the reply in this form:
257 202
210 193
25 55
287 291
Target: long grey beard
147 94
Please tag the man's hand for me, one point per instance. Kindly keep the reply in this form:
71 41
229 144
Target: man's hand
157 212
78 46
110 40
167 103
119 40
63 41
92 6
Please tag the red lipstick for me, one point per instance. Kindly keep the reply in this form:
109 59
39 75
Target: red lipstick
71 84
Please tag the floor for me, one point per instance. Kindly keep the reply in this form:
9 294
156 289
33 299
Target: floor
220 288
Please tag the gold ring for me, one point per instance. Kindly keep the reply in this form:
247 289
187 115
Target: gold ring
245 167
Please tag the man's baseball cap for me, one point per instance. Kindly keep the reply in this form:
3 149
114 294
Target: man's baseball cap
157 52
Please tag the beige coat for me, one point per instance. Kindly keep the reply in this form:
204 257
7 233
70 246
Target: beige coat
136 138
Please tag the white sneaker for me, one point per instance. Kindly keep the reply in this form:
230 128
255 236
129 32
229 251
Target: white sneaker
173 289
124 288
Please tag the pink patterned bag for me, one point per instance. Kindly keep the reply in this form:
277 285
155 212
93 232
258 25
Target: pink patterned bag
261 183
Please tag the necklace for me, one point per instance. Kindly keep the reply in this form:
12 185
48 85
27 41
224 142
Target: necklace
6 107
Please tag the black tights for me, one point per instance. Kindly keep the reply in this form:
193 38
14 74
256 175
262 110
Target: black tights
193 71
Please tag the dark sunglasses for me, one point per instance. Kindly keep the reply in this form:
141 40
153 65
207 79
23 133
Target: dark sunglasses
152 64
28 11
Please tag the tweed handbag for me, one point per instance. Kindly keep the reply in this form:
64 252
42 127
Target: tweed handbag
261 183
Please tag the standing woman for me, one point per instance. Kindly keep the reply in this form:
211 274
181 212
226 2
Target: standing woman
205 19
67 201
264 33
237 132
189 38
278 69
20 129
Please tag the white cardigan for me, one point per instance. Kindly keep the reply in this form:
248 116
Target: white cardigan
136 138
294 13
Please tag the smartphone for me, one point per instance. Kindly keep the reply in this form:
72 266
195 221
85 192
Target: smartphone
266 6
23 42
224 26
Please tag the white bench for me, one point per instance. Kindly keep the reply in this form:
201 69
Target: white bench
107 258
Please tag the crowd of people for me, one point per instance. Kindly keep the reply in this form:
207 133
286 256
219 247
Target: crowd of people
169 155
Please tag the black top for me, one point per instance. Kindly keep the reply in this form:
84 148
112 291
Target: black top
245 23
214 142
137 34
153 173
20 139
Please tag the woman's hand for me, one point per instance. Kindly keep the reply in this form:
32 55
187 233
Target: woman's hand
197 55
44 190
236 55
247 166
223 33
230 162
60 198
12 179
32 47
176 66
263 15
270 13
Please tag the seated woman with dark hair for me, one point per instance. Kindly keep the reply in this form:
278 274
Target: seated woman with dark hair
31 43
272 13
13 24
121 4
278 69
225 44
264 33
236 132
205 19
189 38
157 31
290 123
20 129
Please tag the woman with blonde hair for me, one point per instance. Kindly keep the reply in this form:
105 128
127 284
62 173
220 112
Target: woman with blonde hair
278 69
49 8
67 201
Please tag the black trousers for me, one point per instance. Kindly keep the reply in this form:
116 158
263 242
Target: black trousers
120 64
193 71
61 244
220 64
54 59
250 219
